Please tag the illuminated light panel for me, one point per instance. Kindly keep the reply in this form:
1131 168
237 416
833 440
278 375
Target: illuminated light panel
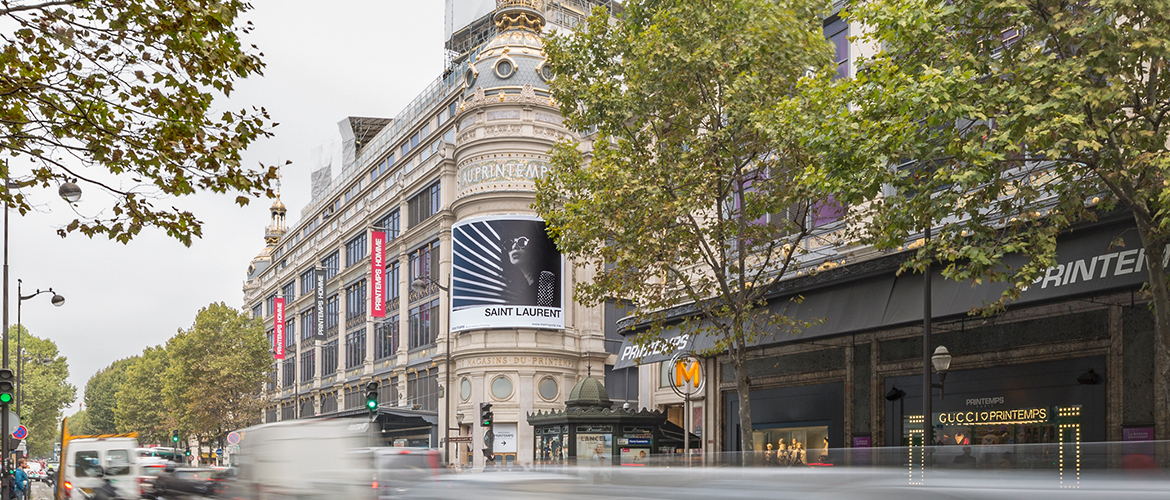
921 455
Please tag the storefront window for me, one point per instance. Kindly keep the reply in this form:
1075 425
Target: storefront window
790 446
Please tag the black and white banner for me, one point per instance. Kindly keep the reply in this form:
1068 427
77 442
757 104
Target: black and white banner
506 273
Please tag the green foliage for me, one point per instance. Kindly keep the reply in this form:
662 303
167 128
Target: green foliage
101 396
1023 118
216 372
139 402
128 87
206 381
700 133
79 424
45 391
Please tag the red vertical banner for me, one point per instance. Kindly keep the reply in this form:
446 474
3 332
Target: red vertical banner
378 274
278 328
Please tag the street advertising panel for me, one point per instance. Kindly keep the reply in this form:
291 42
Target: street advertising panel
319 302
378 274
506 273
594 448
278 328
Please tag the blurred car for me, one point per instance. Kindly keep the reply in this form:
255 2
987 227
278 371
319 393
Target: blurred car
151 470
398 470
202 481
36 472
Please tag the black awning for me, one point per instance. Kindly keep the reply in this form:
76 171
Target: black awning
1092 260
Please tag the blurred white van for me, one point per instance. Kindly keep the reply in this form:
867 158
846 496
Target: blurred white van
87 462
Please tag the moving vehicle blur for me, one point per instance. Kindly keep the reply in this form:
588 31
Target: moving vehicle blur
202 481
90 462
326 458
150 471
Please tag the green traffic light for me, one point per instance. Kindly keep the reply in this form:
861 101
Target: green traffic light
5 398
371 404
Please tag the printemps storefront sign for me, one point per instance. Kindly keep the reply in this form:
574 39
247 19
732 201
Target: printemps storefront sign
993 416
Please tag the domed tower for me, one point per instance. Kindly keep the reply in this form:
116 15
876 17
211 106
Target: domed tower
272 236
520 343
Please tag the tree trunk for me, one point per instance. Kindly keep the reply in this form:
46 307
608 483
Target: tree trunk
1155 254
743 388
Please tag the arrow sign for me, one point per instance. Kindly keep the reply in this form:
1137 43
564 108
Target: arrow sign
21 432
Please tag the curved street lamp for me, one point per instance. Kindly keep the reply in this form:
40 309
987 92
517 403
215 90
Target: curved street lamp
71 192
58 301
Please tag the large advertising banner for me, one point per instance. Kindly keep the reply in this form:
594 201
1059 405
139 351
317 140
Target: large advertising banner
378 274
278 328
506 273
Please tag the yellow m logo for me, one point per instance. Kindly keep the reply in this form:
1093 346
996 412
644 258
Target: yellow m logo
683 373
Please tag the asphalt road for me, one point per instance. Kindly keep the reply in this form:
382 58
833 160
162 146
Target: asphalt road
41 491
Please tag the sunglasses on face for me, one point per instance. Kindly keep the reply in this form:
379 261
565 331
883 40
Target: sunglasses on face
519 243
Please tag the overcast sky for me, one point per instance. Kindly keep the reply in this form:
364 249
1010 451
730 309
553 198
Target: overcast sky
325 60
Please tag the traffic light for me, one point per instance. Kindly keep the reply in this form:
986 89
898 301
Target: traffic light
188 452
175 437
485 414
372 396
7 387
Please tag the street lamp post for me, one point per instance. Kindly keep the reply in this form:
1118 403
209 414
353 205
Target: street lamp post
57 300
71 193
419 285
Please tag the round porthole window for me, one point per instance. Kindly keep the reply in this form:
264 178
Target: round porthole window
502 387
505 68
545 72
469 76
465 390
548 388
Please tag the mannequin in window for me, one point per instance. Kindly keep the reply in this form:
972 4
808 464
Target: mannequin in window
769 456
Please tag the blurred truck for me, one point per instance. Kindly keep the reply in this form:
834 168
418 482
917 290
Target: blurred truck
306 459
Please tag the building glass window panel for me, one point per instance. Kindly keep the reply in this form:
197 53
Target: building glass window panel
288 411
355 348
308 324
393 280
414 140
308 364
329 358
353 397
271 302
424 322
306 410
424 261
388 392
424 204
290 332
289 291
271 339
355 249
331 264
270 415
386 340
837 31
331 312
288 372
329 403
308 281
258 311
355 304
391 224
422 388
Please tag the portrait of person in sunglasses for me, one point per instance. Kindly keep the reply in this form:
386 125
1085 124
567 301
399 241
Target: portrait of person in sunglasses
530 273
